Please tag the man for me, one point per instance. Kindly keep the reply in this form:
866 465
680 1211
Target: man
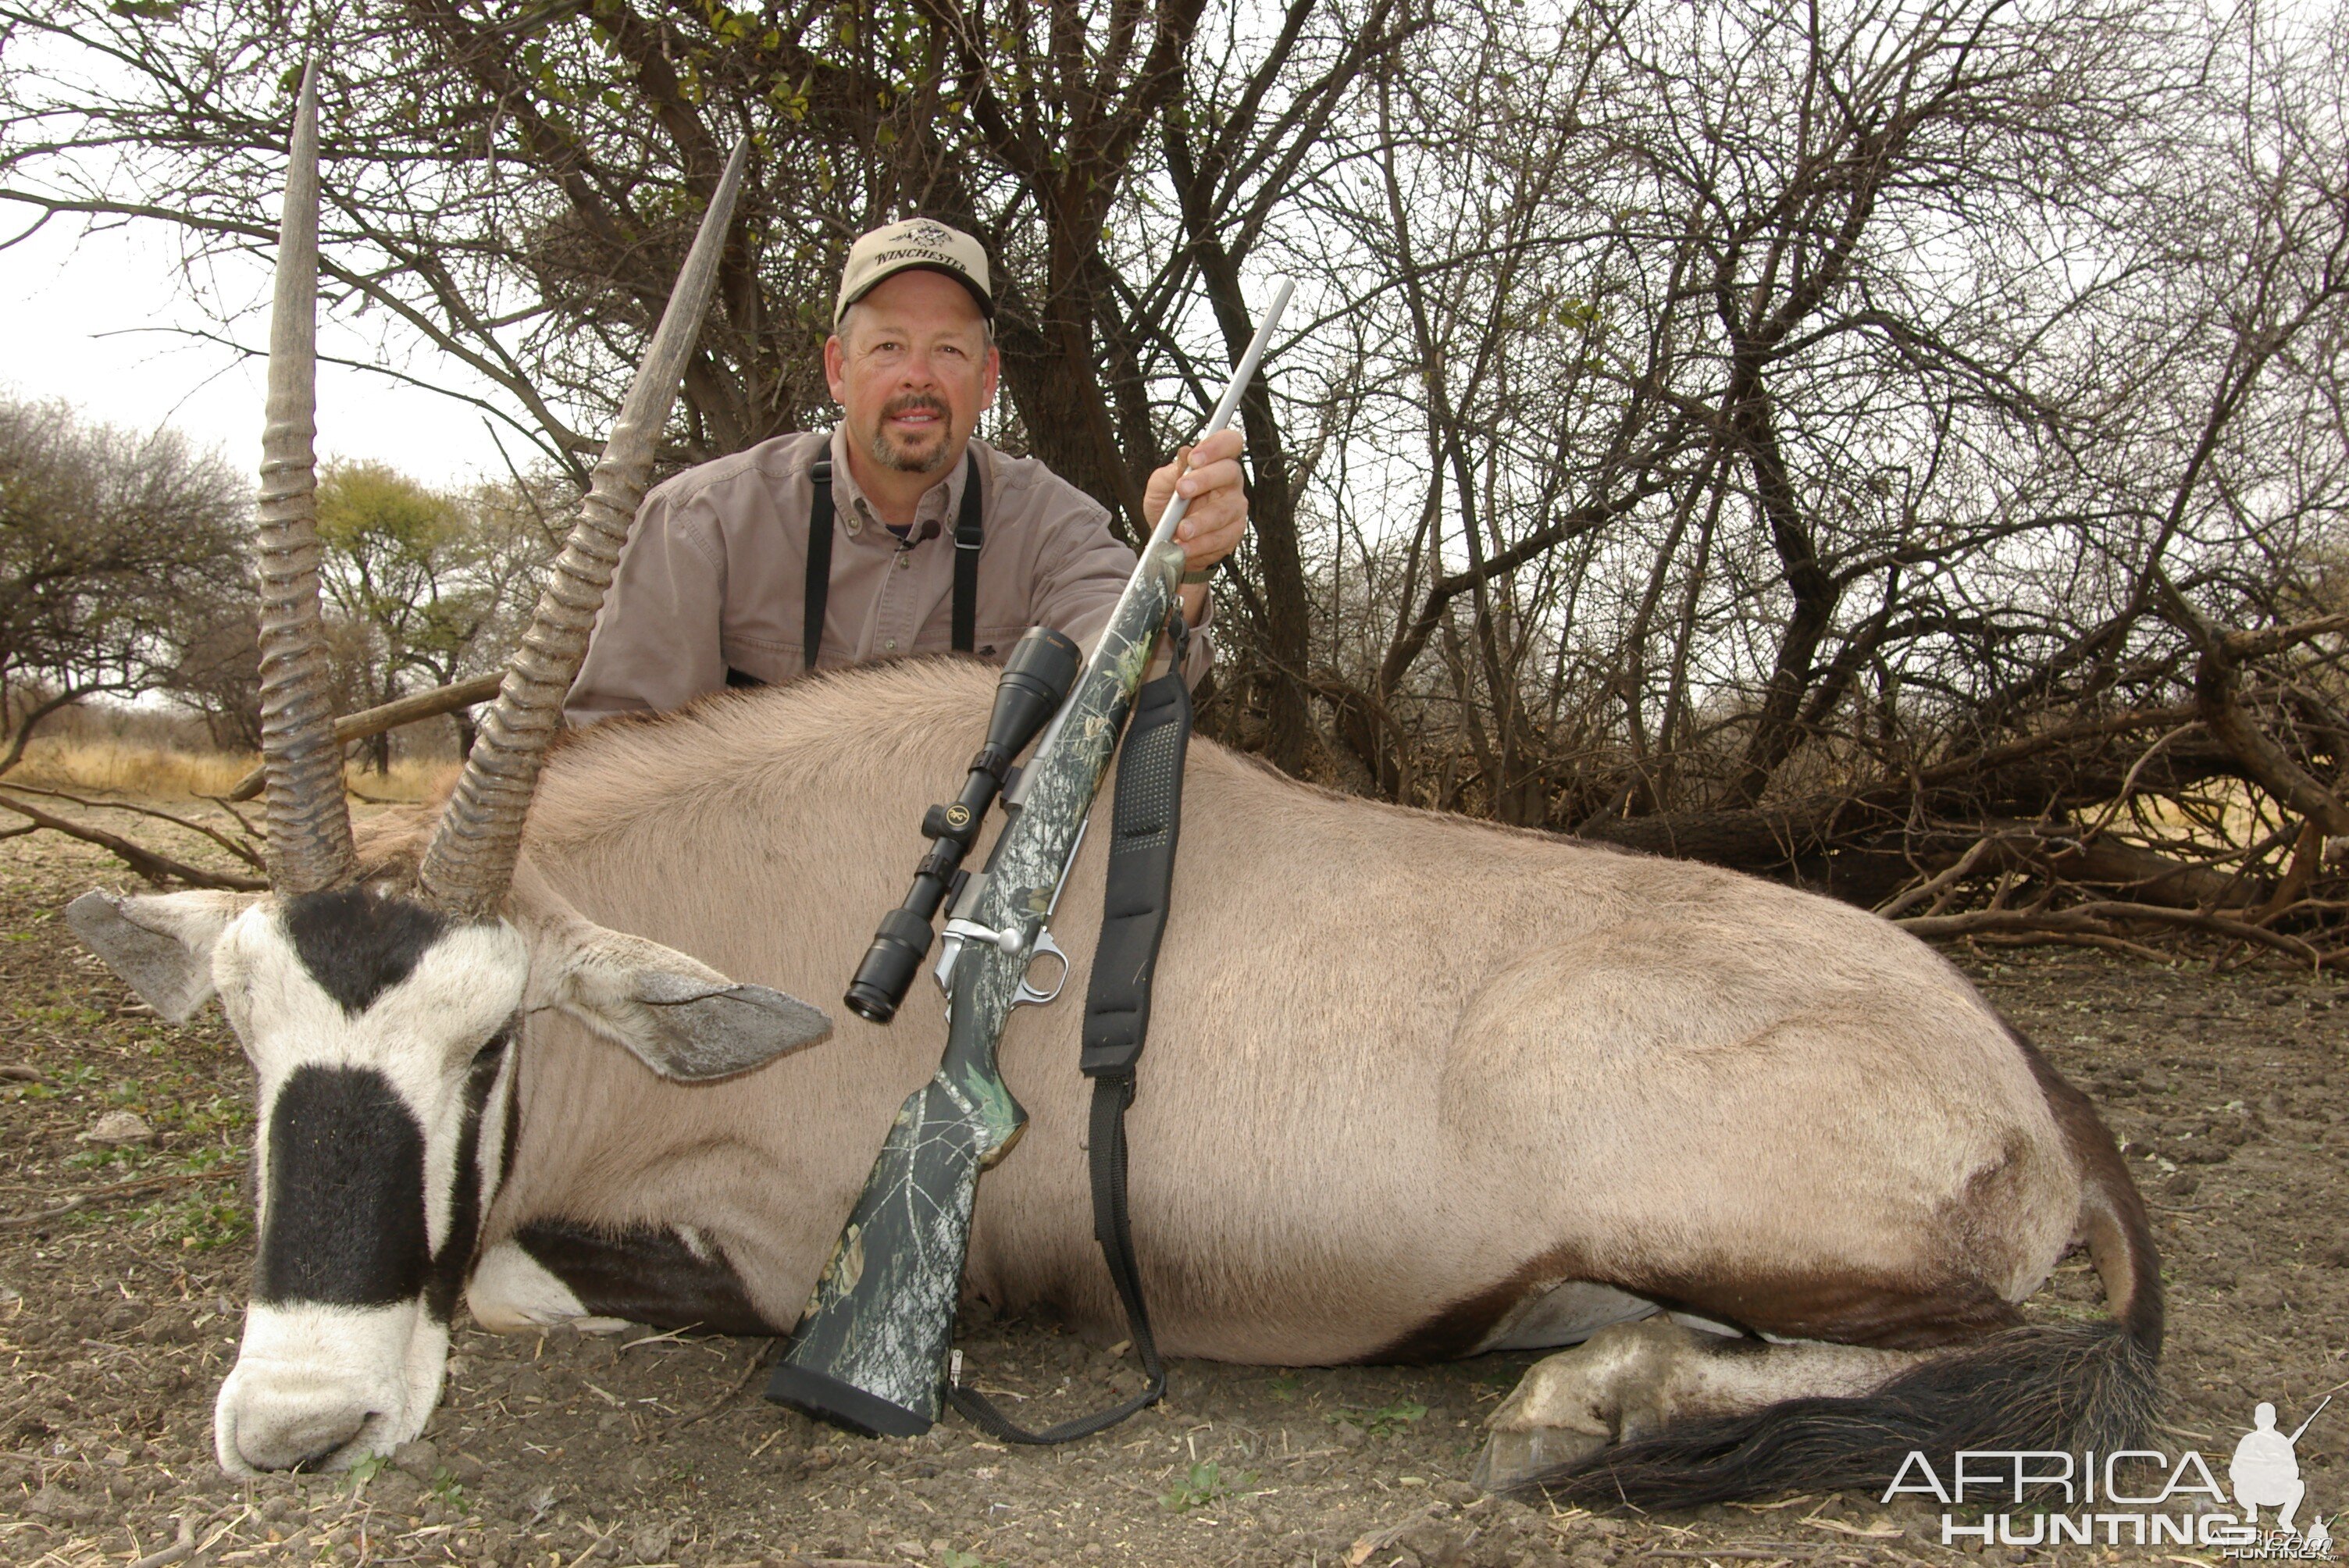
730 562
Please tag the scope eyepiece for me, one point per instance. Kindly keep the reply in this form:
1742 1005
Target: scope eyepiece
890 965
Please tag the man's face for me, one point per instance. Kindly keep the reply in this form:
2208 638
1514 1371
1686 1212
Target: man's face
913 371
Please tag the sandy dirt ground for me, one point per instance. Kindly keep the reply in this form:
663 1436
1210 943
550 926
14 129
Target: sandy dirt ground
123 1266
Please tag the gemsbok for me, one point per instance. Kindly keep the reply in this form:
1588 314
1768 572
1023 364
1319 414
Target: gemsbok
1421 1086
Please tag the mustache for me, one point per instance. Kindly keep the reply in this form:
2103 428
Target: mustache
916 401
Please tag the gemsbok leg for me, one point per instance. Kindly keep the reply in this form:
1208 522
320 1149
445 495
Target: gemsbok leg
552 1273
1839 1371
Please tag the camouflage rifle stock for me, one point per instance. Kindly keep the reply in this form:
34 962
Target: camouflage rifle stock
871 1351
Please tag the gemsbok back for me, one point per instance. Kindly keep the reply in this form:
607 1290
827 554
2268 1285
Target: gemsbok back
1420 1086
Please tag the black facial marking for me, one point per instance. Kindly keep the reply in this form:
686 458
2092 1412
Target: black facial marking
645 1275
345 1222
356 944
512 1142
470 1196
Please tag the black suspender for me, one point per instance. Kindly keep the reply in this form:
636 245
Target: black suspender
819 561
968 535
967 542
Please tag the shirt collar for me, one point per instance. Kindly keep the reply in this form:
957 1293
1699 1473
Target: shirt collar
932 515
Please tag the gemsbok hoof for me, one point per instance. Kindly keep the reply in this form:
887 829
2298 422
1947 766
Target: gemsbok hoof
1614 1385
1514 1459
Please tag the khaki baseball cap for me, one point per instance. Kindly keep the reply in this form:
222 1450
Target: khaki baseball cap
921 242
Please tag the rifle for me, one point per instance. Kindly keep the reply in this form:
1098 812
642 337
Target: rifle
871 1351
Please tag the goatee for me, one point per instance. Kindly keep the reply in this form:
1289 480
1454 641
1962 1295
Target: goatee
913 458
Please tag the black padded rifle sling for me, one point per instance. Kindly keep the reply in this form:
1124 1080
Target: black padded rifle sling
1143 830
968 535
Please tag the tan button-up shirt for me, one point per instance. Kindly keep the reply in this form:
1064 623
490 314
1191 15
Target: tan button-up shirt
715 575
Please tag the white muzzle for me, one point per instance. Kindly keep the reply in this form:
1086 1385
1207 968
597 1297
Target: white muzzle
321 1388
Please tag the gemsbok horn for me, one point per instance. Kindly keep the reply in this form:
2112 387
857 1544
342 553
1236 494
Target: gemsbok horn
471 858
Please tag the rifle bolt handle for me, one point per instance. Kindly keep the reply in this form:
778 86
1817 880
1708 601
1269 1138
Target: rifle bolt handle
1007 943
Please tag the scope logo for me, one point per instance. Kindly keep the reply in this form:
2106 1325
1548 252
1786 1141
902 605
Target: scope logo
2132 1497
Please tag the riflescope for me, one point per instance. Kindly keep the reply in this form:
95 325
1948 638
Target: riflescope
1035 682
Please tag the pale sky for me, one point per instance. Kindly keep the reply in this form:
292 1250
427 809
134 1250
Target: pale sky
89 319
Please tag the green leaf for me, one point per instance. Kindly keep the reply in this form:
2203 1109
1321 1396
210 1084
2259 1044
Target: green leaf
1386 1421
1206 1483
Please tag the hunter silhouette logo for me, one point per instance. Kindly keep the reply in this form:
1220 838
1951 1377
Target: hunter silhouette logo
2131 1497
2265 1473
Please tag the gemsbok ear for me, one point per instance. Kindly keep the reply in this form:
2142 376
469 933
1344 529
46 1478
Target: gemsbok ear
683 1019
680 1018
160 945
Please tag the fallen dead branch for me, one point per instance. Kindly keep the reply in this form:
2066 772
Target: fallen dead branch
1864 843
1941 886
152 865
374 721
2106 919
90 1195
159 867
20 1221
245 852
178 1551
2217 678
2220 822
756 1364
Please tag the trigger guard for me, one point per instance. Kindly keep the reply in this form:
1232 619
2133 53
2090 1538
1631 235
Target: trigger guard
1028 995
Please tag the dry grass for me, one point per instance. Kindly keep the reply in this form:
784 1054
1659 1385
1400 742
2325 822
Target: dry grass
120 768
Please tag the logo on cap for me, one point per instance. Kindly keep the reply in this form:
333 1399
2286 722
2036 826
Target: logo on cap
914 243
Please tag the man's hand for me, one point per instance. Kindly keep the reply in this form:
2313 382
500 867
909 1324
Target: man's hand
1217 514
1211 528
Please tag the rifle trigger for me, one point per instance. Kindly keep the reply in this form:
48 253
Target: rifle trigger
1028 995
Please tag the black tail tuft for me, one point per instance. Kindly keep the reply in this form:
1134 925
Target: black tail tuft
2056 1388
